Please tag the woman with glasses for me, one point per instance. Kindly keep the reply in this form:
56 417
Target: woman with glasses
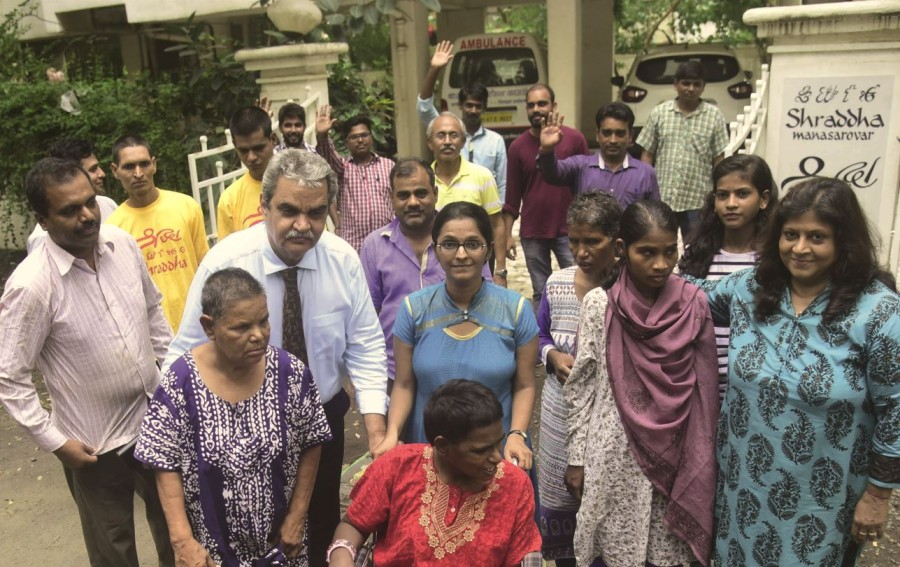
464 327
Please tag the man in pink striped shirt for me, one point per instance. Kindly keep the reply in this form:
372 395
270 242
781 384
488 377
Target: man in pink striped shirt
83 310
364 201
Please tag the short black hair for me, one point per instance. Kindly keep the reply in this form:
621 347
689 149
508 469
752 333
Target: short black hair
617 111
355 121
689 70
129 141
72 149
474 90
289 109
46 173
246 121
407 167
541 87
223 288
459 407
464 210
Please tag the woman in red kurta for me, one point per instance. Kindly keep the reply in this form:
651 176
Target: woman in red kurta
452 502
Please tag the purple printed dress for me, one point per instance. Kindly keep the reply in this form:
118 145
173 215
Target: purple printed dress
238 461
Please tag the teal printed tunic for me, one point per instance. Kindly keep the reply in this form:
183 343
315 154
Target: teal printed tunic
806 407
488 355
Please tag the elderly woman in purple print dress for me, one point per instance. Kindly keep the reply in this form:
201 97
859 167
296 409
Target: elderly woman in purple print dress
234 434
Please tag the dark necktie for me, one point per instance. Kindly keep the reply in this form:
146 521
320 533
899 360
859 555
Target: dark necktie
293 340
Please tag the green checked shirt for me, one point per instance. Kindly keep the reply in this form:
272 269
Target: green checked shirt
684 146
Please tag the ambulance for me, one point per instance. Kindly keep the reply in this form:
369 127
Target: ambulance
507 64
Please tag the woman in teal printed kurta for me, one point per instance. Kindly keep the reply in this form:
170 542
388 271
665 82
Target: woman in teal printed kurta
809 434
464 328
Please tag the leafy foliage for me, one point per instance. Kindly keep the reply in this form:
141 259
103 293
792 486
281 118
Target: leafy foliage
170 110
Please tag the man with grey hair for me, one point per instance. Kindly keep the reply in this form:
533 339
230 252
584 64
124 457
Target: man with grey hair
319 309
461 180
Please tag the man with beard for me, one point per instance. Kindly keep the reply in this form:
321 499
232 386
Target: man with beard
461 180
543 205
628 180
254 142
82 309
484 147
168 226
292 123
399 258
364 201
320 311
82 153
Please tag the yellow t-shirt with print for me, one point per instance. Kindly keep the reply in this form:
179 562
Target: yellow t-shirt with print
172 237
239 206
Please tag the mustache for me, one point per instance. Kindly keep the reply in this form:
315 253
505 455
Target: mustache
89 226
297 234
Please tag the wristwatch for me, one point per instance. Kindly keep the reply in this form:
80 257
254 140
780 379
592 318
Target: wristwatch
518 432
501 273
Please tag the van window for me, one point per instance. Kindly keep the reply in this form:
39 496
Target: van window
661 70
494 67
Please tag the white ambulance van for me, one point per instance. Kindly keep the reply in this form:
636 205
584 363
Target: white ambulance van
507 64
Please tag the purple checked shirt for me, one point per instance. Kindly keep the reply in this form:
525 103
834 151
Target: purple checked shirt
393 272
634 181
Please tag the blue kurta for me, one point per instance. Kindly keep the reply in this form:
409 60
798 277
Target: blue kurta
487 355
805 406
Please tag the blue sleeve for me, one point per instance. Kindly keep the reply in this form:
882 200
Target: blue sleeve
500 169
883 381
404 326
526 325
426 110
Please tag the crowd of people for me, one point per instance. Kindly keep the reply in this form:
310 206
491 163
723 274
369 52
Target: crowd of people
739 406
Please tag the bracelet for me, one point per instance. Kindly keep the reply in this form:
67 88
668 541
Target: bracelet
518 432
873 495
340 543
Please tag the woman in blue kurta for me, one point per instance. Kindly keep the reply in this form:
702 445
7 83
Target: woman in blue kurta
809 434
464 328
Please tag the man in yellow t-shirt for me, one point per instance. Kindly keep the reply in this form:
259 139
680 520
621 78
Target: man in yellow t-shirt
168 226
254 141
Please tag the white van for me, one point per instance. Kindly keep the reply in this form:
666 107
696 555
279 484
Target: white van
507 64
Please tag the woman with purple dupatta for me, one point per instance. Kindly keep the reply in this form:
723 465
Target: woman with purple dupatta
233 433
643 403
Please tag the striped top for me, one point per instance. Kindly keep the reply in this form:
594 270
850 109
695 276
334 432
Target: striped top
474 184
723 264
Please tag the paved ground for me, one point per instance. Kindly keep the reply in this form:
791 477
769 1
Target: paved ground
39 523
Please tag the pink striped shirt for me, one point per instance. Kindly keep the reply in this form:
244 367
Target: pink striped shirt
365 193
96 336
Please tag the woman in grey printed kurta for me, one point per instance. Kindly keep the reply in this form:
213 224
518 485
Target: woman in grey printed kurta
809 434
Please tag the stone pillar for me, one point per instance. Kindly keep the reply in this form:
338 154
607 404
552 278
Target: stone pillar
452 24
410 56
834 102
580 58
292 72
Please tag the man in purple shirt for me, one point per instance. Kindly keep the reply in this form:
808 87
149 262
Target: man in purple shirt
612 171
398 258
543 205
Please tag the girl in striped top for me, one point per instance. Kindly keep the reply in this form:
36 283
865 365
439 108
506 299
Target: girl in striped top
724 240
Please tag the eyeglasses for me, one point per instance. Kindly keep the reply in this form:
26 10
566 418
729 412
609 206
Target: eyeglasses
471 246
441 136
359 137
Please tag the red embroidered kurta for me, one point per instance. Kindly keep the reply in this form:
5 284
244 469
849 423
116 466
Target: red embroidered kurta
420 521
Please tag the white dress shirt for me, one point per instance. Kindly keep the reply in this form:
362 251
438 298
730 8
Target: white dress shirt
343 335
97 337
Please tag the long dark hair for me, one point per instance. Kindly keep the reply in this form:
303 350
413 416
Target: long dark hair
706 239
856 260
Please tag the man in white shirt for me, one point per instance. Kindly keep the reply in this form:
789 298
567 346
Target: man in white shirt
83 310
343 337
